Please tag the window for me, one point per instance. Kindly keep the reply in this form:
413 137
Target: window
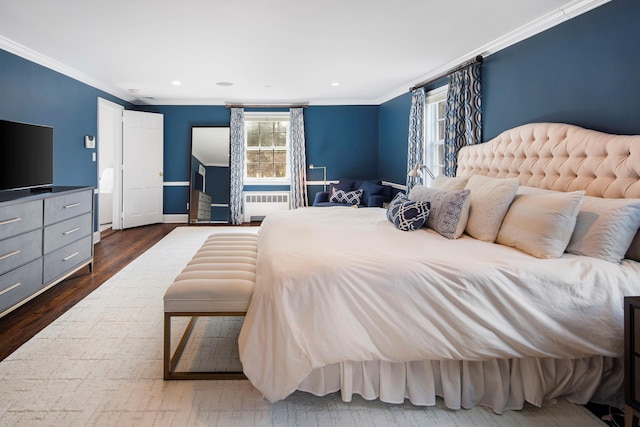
434 114
267 143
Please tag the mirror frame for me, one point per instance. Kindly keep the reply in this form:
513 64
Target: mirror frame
192 174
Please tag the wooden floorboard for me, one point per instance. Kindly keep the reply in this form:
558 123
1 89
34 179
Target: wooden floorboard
111 254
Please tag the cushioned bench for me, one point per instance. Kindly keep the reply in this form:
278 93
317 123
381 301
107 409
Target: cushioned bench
218 281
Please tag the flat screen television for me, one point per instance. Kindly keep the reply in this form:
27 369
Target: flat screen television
26 156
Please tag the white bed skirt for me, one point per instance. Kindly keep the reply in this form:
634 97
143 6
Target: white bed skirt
500 384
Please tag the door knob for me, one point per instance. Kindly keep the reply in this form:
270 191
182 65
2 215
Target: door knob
159 173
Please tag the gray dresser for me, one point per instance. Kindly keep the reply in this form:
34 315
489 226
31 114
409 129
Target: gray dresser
200 207
44 238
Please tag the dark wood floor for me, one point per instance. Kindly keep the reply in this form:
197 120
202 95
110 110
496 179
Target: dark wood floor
113 252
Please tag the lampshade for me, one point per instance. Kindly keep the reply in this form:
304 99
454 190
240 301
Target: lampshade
415 172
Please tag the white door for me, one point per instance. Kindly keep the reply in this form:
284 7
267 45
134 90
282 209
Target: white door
142 168
109 159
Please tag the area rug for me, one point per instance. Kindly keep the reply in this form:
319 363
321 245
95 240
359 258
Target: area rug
101 364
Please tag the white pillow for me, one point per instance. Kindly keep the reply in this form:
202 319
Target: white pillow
449 209
449 183
490 200
541 222
605 228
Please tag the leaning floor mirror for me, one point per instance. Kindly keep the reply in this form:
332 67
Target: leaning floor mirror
209 189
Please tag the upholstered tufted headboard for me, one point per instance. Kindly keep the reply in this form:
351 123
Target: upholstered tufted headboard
559 157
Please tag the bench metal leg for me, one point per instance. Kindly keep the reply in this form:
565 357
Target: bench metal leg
170 361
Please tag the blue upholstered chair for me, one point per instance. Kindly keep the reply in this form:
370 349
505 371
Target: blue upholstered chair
374 194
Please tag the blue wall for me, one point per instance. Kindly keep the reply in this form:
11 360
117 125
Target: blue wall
178 120
217 184
393 131
583 71
342 138
35 94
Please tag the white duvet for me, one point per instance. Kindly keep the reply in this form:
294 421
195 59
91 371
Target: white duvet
339 284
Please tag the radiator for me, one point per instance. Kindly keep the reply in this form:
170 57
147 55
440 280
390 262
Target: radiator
257 205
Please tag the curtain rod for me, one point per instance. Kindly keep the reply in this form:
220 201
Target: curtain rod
477 60
266 105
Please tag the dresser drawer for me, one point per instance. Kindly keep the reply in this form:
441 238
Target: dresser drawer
20 217
19 250
65 232
20 283
205 198
63 260
59 208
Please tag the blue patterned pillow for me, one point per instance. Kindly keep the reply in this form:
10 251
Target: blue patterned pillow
346 197
408 215
449 209
397 199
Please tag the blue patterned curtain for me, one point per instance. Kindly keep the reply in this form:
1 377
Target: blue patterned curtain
237 165
415 146
297 159
463 120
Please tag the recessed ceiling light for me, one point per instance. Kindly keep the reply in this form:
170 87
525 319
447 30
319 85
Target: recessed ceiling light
335 84
133 91
224 84
176 83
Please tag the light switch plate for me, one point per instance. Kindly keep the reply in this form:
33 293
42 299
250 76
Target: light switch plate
89 141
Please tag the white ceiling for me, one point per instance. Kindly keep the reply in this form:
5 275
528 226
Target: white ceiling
280 51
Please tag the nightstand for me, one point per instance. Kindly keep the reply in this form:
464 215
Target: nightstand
631 361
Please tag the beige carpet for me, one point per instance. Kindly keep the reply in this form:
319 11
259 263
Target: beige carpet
100 364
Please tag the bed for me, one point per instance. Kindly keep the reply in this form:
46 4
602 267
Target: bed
344 301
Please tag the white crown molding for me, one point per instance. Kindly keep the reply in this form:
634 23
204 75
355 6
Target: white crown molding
285 104
551 19
347 101
40 59
179 101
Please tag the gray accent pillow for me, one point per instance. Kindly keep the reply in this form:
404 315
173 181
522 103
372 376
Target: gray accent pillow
490 201
449 209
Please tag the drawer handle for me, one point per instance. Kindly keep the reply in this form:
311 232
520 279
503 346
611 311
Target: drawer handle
9 255
9 221
72 205
10 288
73 230
67 258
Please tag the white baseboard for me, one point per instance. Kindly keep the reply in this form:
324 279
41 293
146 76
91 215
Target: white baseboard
175 219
